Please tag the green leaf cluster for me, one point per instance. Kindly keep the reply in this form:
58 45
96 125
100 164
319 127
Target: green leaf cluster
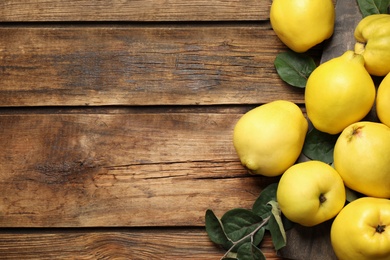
369 7
240 231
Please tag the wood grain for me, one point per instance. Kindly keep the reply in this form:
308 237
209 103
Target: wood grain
86 170
141 66
133 10
114 244
105 153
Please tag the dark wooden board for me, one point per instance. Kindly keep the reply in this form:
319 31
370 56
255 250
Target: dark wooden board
135 10
141 65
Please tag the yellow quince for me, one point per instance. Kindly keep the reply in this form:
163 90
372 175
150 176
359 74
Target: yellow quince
339 92
302 24
373 41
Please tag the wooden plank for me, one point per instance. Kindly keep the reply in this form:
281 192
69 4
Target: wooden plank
86 170
135 10
140 65
114 244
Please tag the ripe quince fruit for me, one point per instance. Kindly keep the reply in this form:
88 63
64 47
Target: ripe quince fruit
383 101
339 92
361 230
269 138
302 24
373 41
310 193
362 158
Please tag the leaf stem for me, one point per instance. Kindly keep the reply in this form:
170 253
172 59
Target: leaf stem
235 243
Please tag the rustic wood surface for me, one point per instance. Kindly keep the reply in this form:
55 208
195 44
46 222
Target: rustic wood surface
190 243
133 169
140 65
133 10
116 121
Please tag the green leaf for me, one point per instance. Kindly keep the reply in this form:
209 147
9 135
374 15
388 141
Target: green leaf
230 256
248 251
215 230
352 195
238 223
294 68
369 7
258 237
261 207
276 234
319 146
287 224
276 228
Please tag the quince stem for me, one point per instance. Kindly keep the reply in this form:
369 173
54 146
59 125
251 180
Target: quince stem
360 47
380 228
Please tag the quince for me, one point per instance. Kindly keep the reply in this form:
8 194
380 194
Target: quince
383 101
373 41
269 139
361 157
362 230
302 24
339 92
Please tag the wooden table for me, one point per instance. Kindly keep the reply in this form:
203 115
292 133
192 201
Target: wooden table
116 122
